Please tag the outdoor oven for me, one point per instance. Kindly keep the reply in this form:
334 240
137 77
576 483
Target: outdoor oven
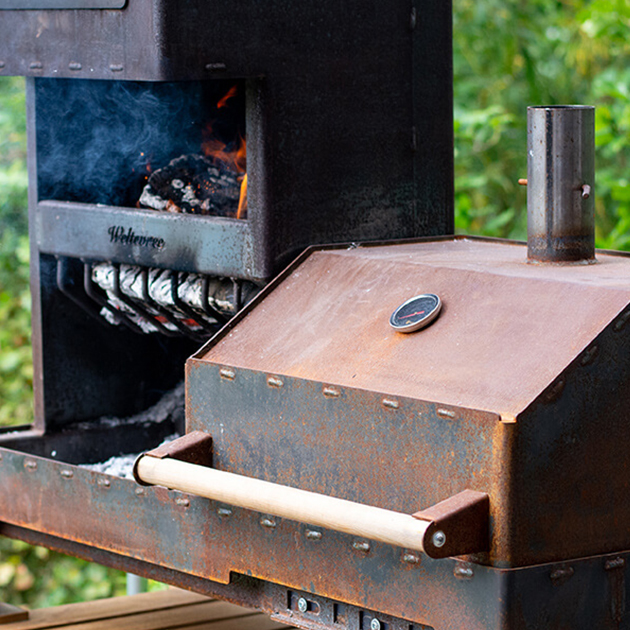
335 468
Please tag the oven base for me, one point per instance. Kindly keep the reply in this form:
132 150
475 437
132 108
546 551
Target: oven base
580 594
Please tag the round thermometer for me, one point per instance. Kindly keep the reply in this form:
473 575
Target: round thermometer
416 313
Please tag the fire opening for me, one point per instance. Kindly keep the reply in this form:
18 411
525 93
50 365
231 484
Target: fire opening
174 147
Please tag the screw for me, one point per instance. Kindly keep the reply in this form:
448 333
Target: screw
375 624
302 605
439 539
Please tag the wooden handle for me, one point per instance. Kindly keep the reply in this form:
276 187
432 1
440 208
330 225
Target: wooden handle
359 520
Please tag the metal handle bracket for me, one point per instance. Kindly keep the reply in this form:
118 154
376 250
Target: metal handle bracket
459 524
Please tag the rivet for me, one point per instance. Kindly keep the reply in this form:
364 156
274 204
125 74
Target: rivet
589 355
561 575
274 381
223 511
439 539
302 605
312 534
182 501
375 624
214 67
331 392
114 67
621 321
227 374
411 558
361 545
139 491
30 464
268 522
104 482
445 413
75 65
553 393
390 404
66 473
463 571
615 563
36 65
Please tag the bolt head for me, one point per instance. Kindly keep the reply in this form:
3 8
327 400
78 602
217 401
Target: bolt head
375 624
439 539
302 605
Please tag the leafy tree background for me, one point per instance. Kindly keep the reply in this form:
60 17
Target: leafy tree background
507 54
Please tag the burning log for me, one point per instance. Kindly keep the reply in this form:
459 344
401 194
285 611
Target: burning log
193 184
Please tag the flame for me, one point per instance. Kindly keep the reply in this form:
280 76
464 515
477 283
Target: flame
223 101
242 200
235 158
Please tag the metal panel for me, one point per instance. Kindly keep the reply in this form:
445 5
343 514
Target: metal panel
143 237
403 591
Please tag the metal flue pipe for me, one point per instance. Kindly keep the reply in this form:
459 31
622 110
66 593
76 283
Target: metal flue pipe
560 184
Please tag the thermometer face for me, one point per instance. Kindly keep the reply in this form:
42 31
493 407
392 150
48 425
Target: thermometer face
416 313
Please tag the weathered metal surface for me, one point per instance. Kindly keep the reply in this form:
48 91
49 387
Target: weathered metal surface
571 454
580 594
367 447
560 183
328 322
213 542
185 243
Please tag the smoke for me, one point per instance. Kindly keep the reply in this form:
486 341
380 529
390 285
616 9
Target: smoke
97 141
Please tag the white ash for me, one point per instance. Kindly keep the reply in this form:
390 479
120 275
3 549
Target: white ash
170 407
122 465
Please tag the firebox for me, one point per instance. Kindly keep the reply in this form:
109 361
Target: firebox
182 153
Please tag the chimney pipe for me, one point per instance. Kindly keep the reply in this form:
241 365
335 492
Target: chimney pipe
560 183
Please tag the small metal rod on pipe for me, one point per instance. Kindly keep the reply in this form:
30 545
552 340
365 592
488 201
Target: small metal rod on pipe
295 504
560 182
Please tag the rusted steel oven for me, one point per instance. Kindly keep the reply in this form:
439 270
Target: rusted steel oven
333 468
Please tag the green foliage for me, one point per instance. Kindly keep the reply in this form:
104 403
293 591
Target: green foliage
36 577
509 54
16 368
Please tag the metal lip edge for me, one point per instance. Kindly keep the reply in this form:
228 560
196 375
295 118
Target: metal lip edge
59 464
49 206
404 402
251 305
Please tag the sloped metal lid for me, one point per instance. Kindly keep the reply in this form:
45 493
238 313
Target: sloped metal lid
507 330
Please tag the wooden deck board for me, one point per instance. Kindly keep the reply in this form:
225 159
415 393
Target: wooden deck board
162 610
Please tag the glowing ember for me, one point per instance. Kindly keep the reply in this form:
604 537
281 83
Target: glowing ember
214 183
